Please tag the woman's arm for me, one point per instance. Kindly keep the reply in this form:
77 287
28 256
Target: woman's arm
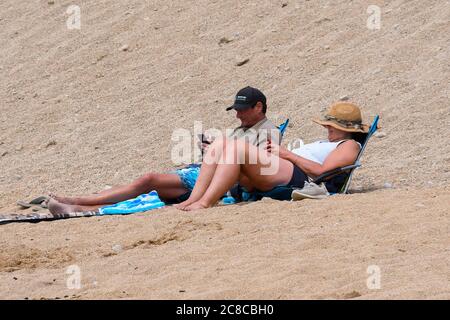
345 154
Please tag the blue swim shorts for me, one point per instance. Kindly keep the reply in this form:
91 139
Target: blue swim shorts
189 175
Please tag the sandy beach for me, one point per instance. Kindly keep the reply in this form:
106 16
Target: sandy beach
84 109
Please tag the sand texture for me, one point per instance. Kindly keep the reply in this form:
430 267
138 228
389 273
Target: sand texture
84 109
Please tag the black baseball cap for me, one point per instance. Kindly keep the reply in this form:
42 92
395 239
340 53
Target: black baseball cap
247 98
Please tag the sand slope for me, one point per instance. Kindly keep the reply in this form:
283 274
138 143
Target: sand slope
309 249
78 113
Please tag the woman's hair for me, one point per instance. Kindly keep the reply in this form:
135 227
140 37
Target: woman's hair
359 137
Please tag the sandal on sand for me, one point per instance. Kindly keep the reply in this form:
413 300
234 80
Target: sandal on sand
37 202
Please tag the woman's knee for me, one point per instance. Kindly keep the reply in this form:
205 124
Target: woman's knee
215 151
219 145
242 151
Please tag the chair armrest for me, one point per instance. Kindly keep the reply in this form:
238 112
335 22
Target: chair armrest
329 174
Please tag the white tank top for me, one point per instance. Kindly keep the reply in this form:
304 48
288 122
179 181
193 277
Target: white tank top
317 151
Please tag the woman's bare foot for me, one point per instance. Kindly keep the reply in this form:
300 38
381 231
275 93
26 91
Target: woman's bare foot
57 207
197 206
184 204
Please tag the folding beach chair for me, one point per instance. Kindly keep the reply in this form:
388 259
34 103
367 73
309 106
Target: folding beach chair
347 171
282 127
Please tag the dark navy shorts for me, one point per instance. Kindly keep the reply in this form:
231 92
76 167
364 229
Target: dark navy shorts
298 178
284 192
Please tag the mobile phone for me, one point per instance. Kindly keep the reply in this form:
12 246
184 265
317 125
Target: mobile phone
203 139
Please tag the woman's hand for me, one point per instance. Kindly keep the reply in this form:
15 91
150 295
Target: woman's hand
278 150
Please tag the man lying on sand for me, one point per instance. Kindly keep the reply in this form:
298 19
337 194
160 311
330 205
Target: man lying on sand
250 105
291 169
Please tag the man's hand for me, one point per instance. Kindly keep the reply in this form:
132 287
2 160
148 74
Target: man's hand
204 142
204 147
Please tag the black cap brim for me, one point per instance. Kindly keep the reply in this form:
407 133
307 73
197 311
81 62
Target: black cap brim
239 106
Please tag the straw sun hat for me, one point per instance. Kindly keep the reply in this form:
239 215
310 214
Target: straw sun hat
344 116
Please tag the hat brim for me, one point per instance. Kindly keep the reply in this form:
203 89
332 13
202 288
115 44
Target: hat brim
237 106
364 127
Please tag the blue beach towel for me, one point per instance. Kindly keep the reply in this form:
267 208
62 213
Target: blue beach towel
144 202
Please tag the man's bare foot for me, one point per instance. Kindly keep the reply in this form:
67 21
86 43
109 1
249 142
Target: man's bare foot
56 207
60 199
196 206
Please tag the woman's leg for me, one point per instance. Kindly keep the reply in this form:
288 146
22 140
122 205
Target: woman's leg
209 165
168 186
264 171
245 182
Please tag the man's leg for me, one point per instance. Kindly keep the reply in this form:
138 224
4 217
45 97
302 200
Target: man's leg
168 186
56 207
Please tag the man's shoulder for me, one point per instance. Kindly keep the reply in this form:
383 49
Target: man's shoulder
265 124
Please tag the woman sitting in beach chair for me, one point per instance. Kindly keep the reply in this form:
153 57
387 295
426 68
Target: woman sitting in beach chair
265 170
